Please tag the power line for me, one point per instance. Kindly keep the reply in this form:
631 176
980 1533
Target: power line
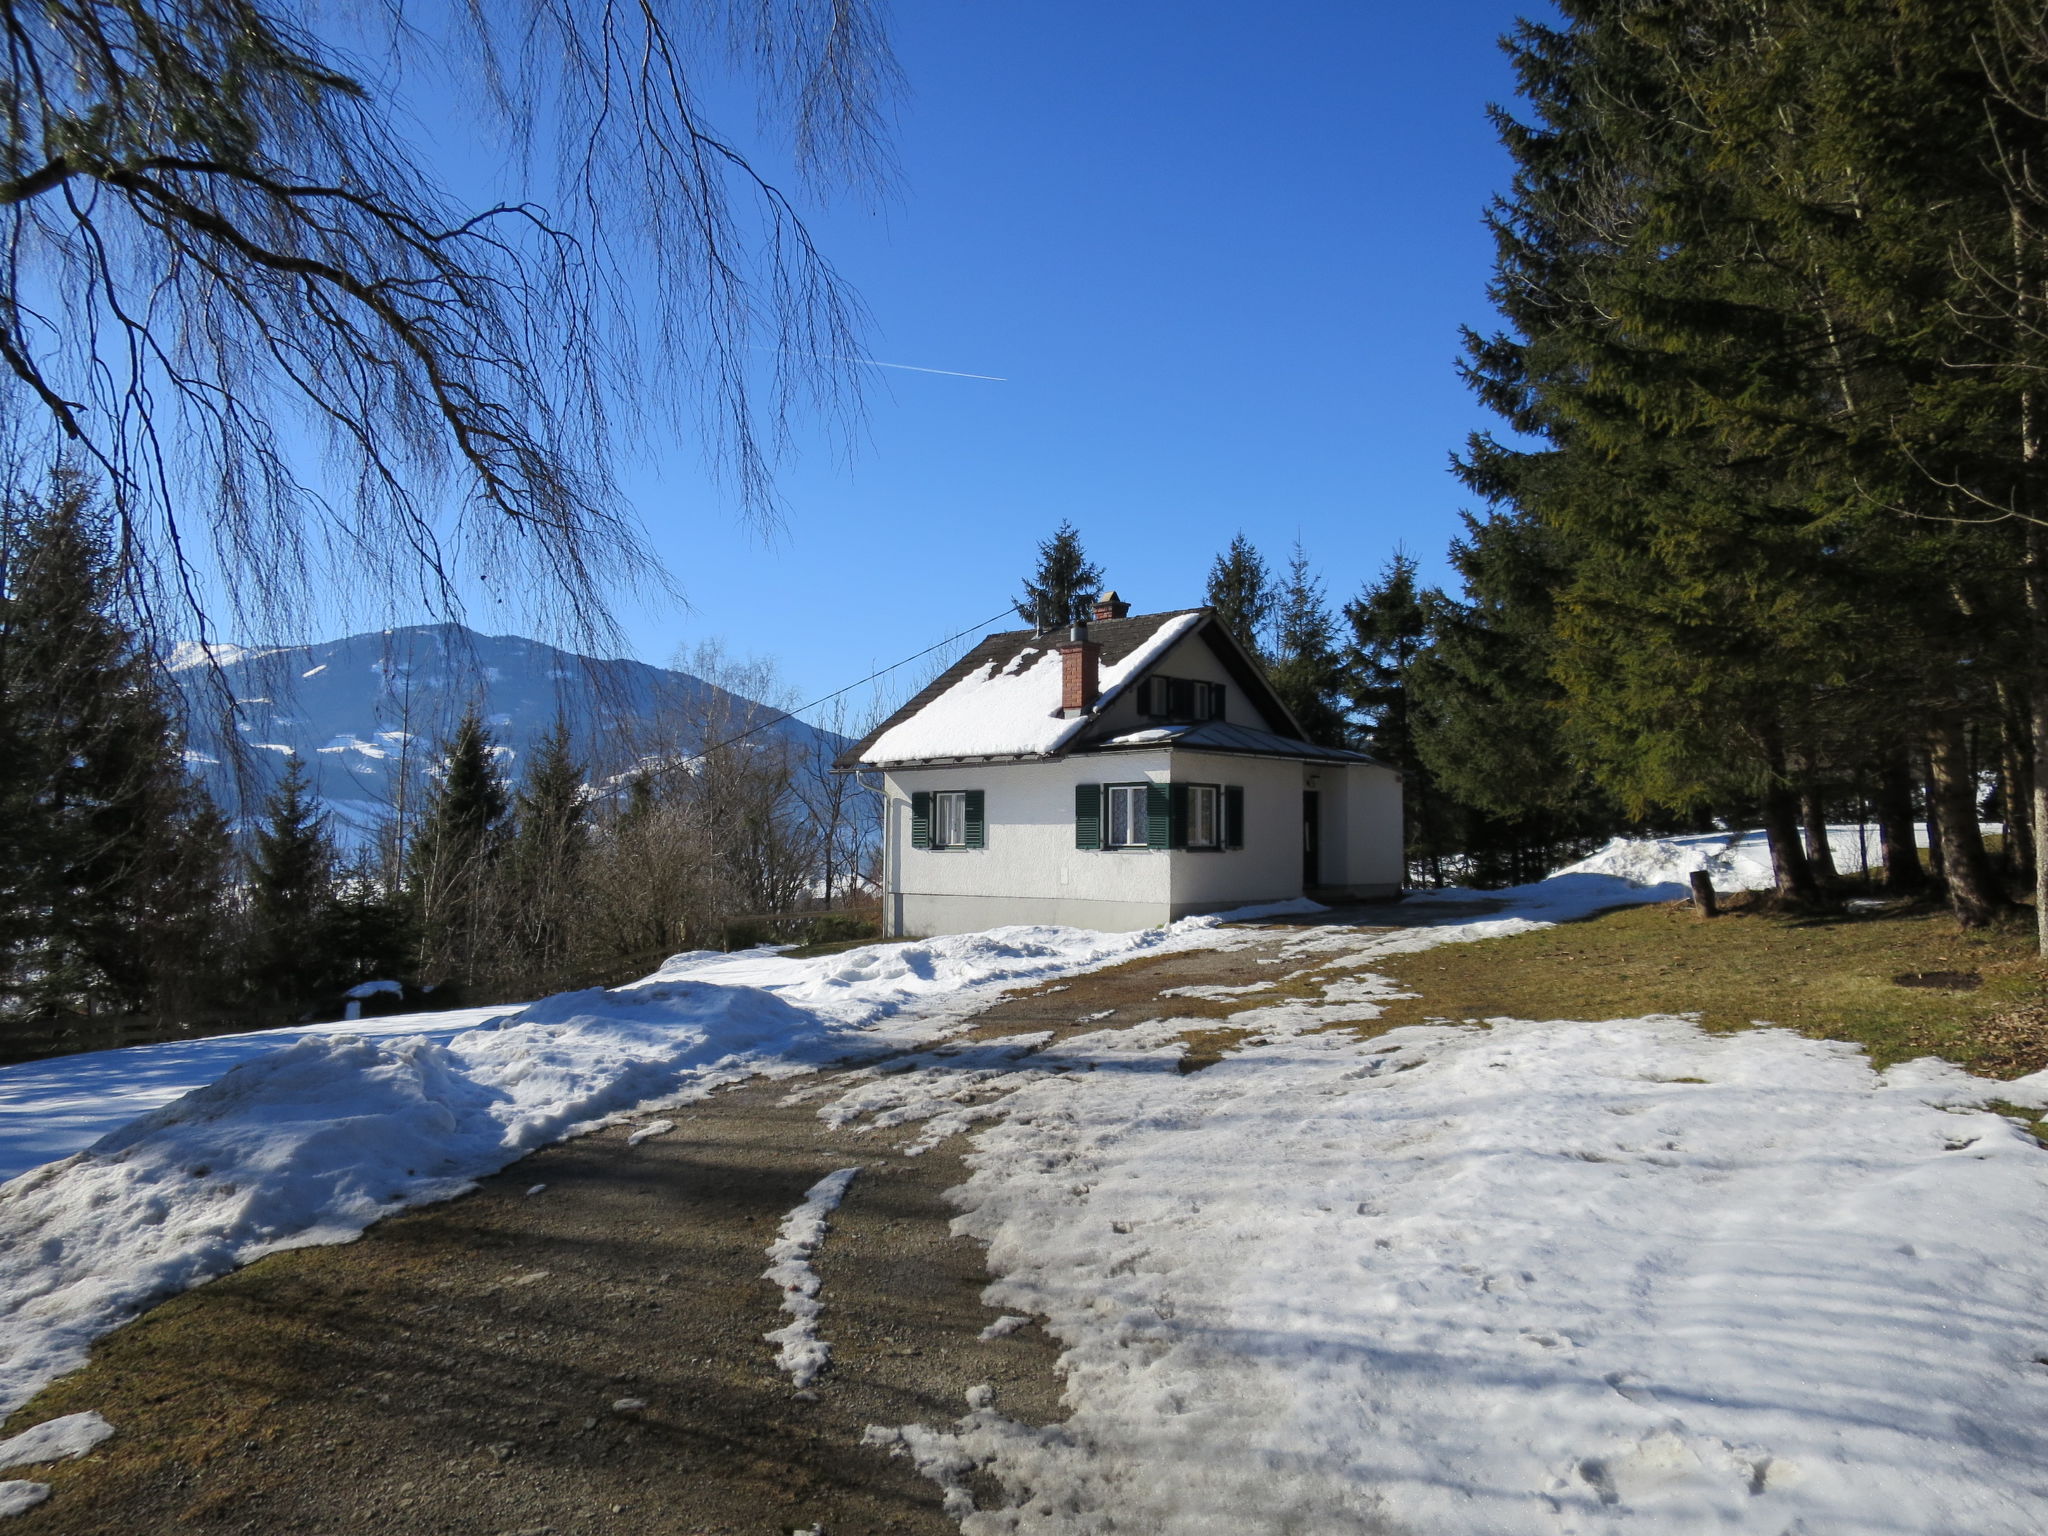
828 698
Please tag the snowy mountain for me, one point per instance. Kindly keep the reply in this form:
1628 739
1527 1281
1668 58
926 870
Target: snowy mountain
366 713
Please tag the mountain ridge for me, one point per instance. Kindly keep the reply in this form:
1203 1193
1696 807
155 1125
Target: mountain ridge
366 713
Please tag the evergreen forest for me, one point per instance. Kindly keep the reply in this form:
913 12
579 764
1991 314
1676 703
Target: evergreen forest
1761 536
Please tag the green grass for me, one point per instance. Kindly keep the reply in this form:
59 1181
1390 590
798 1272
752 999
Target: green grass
1830 977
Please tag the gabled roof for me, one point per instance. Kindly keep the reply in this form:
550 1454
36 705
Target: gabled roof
1002 699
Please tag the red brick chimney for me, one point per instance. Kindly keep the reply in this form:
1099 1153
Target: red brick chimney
1080 677
1110 606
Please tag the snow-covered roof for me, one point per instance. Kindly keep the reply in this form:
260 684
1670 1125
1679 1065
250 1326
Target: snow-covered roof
1226 736
1003 698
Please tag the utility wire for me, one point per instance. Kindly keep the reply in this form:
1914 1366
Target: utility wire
828 698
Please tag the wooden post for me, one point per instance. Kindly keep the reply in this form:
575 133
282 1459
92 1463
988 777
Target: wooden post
1703 894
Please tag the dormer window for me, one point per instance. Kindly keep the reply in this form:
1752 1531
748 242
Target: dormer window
1180 698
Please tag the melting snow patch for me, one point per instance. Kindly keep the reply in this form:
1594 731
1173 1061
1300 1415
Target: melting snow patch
651 1129
17 1497
54 1440
802 1353
1532 1278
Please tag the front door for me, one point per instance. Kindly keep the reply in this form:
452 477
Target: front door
1311 837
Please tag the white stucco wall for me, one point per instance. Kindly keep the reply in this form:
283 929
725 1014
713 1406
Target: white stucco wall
1189 658
1268 866
1030 872
1362 831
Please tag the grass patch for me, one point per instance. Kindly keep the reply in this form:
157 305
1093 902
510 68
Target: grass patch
1829 977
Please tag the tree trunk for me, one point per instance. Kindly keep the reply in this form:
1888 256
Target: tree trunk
1897 828
1789 867
1932 800
2037 638
1820 852
1973 893
2015 796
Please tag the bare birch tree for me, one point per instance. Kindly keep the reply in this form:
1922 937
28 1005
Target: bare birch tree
236 289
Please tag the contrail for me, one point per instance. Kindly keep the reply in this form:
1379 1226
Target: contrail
831 357
913 368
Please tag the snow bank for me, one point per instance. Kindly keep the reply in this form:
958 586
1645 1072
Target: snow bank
1533 1278
1737 861
312 1142
254 1143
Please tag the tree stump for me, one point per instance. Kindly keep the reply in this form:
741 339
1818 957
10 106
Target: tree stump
1703 894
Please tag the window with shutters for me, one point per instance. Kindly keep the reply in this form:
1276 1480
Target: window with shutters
1129 820
1204 817
948 818
1180 698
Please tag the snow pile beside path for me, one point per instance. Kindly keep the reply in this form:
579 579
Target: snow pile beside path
308 1136
313 1142
1537 1278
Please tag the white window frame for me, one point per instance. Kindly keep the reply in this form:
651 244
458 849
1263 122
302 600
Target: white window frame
1137 817
949 818
1209 797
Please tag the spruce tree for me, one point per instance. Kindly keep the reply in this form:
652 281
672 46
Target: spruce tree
291 898
114 859
1389 627
1304 665
1242 595
1062 590
545 862
452 867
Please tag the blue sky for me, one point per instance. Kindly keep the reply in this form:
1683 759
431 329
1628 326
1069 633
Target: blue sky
1218 254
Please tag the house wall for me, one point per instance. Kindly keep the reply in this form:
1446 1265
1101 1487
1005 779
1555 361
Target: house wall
1362 828
1193 658
1030 872
1268 866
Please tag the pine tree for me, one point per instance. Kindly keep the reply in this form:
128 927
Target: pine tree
1304 666
114 860
545 862
1062 590
452 866
291 898
372 936
1241 593
1389 627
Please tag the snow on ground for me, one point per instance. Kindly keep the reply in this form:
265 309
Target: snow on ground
54 1440
162 1166
799 1350
1538 1277
1737 861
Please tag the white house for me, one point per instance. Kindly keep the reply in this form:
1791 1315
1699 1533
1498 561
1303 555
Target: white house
1117 775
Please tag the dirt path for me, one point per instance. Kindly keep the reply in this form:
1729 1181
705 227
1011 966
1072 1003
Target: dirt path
588 1358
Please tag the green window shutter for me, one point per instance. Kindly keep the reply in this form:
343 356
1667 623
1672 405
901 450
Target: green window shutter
1177 825
1233 816
977 824
1158 816
1087 815
921 819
